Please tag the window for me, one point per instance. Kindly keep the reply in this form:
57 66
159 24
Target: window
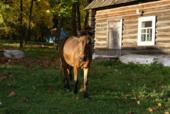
146 31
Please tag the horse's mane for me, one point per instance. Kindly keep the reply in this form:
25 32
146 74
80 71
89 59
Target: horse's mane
85 32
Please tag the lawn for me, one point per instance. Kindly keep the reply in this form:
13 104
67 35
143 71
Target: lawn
34 85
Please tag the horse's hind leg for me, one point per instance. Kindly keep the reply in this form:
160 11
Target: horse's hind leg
70 73
66 78
75 80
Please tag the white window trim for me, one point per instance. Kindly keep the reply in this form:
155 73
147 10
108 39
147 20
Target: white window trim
140 20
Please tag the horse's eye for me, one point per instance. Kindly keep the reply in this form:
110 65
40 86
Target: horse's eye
93 41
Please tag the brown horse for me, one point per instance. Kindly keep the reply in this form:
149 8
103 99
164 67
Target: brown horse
77 53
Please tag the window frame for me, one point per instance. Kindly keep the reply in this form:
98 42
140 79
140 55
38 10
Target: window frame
140 21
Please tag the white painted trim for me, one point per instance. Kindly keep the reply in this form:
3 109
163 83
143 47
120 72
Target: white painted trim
140 20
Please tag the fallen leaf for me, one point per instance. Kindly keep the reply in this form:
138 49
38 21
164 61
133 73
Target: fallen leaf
159 104
50 90
166 113
138 102
12 94
149 109
77 98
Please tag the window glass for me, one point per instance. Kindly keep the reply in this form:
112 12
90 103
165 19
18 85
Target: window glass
146 31
147 24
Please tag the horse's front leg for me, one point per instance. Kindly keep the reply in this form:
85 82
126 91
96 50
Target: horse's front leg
75 80
86 70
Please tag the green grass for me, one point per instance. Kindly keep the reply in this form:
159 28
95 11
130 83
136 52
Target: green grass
115 88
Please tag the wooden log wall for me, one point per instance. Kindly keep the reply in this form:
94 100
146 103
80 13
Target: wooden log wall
160 9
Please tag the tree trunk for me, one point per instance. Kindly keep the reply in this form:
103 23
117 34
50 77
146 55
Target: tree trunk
74 25
21 24
29 21
78 16
87 15
86 19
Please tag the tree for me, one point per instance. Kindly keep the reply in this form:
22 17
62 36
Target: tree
41 21
9 19
21 24
76 17
87 14
30 19
34 17
64 8
74 24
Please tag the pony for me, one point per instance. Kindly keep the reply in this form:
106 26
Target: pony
76 53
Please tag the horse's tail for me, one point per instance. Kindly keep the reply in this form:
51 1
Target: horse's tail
61 54
61 46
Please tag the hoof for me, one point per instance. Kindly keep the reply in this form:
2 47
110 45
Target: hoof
67 88
75 91
87 96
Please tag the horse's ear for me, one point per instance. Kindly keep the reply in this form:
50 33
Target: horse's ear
89 30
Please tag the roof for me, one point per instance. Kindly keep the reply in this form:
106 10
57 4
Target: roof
104 3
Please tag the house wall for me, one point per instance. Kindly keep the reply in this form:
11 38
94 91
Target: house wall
160 9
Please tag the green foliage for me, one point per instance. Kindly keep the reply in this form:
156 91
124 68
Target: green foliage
63 9
6 20
41 19
43 13
1 19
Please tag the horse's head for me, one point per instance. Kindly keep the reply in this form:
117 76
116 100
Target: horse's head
86 44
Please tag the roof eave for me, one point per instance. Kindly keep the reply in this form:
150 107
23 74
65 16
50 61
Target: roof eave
93 5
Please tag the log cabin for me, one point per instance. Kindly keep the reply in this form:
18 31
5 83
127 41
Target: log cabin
130 26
